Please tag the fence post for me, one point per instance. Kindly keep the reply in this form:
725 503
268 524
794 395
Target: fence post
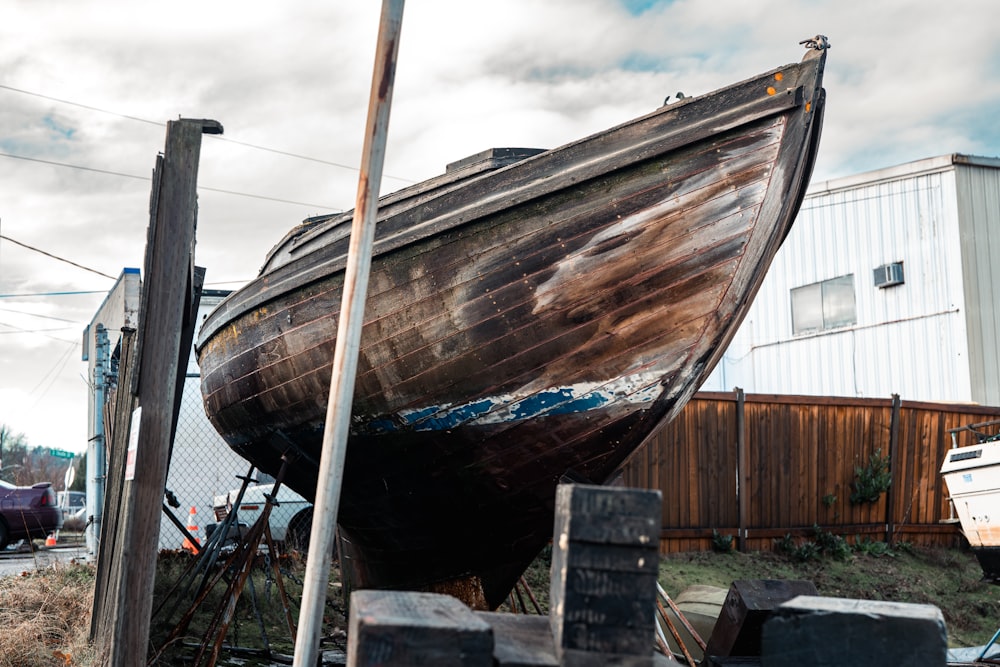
165 311
890 495
742 474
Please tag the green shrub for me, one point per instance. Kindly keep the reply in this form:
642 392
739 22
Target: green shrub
871 481
869 547
806 551
832 545
786 545
721 543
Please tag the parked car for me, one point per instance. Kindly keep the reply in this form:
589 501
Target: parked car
290 520
73 505
27 512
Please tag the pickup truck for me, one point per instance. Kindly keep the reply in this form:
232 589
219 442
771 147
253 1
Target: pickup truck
291 518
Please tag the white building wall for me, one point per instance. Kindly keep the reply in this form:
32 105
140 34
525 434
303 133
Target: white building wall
979 211
909 339
120 308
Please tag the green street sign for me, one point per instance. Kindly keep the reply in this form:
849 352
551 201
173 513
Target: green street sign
61 454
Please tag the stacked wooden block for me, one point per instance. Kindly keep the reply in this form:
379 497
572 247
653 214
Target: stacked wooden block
403 629
605 559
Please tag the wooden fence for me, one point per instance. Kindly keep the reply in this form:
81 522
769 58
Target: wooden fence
759 467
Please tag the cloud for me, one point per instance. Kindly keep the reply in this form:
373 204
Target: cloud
906 79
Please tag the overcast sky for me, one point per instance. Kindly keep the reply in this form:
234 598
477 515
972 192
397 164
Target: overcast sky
87 86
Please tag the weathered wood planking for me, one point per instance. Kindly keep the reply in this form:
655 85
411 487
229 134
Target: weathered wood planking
521 323
121 404
167 308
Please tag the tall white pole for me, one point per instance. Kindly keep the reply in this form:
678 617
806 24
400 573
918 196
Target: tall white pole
97 467
345 360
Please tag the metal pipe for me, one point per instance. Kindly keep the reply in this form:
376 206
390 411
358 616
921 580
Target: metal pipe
345 359
675 633
96 459
680 615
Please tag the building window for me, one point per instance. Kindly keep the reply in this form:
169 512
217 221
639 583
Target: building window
824 305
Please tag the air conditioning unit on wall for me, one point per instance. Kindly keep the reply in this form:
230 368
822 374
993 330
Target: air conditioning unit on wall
888 275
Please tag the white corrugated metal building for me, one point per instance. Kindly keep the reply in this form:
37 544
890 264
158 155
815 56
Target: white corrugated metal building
888 283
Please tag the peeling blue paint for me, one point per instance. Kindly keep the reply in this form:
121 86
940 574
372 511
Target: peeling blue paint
444 419
584 403
505 409
417 415
557 402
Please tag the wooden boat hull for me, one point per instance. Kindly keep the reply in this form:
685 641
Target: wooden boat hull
522 324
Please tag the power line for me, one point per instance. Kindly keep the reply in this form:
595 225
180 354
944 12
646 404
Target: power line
37 294
147 178
77 104
52 375
48 254
240 281
17 330
217 137
34 331
44 317
72 166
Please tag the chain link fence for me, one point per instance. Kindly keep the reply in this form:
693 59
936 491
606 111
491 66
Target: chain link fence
202 466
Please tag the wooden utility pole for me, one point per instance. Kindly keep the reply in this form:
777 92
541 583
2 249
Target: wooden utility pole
166 311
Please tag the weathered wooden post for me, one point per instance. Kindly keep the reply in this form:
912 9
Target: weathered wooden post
605 561
743 479
894 481
166 306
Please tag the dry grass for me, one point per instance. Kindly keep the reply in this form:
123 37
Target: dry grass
45 616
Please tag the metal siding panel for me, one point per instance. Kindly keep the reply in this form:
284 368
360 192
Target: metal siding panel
979 207
909 339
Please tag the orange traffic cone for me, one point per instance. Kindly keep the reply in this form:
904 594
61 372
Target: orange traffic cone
192 529
50 541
